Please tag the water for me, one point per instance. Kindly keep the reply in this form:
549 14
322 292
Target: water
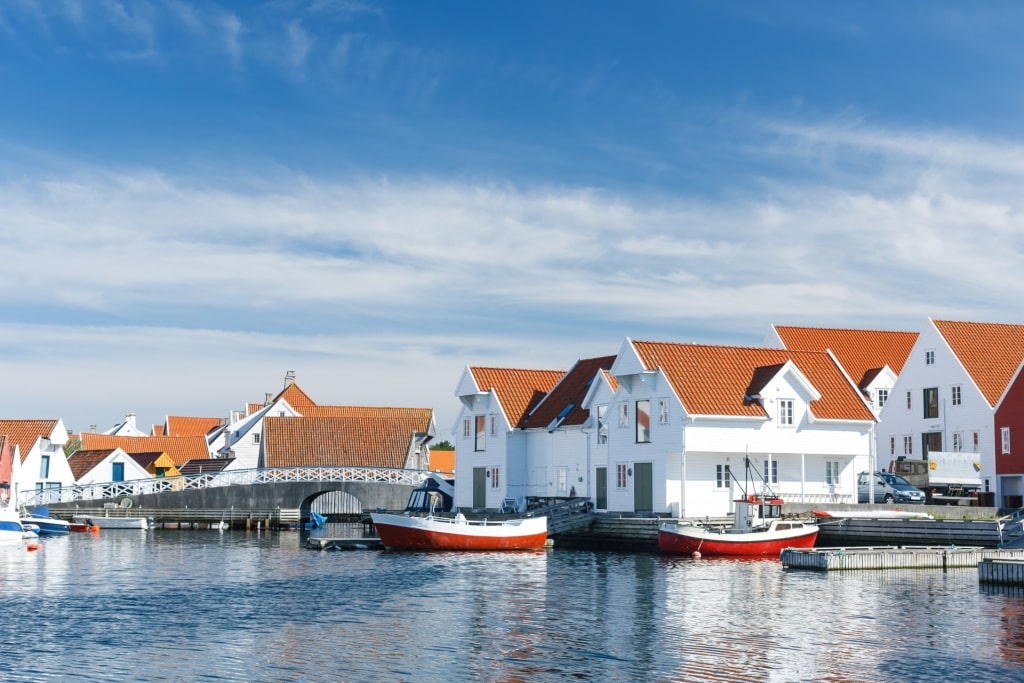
170 605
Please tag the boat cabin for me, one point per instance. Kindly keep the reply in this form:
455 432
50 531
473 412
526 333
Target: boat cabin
754 512
435 494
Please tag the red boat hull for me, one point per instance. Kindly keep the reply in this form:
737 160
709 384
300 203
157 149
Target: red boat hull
405 534
753 544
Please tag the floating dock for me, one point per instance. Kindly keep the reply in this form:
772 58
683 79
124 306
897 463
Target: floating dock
893 557
1001 570
344 544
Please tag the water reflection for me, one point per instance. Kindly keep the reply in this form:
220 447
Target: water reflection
170 605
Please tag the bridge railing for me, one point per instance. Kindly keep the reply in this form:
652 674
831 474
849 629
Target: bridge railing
118 490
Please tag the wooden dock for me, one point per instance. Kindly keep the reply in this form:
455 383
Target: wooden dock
893 557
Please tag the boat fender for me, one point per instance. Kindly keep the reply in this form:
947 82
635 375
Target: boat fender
696 554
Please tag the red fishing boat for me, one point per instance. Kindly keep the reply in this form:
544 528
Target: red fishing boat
758 530
407 532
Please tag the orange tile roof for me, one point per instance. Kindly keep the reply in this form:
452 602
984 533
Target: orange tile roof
190 426
24 433
861 352
518 390
181 449
251 408
410 416
990 352
570 390
442 461
713 380
337 441
158 430
83 461
296 397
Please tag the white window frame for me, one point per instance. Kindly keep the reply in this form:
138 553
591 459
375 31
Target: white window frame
643 435
466 428
929 357
956 395
480 433
561 478
908 444
774 478
662 411
624 414
621 476
883 396
722 476
602 425
786 412
495 477
1004 438
958 442
831 472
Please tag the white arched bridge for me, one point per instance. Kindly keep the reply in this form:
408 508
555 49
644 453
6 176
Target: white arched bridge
273 494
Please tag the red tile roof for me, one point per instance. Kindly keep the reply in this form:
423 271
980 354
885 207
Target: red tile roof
190 426
332 441
83 461
713 380
570 391
990 352
518 390
181 449
158 430
24 433
861 352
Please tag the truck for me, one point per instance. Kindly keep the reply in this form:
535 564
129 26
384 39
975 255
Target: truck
947 478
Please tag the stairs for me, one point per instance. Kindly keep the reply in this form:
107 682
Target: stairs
565 516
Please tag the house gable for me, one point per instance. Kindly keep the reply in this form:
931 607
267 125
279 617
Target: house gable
564 404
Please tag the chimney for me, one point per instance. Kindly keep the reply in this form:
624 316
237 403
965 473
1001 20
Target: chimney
270 397
289 378
130 420
92 428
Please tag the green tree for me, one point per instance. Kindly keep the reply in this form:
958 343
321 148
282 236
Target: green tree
442 446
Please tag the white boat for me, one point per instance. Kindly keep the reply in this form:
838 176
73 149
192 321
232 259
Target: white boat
11 528
869 514
48 526
113 522
407 532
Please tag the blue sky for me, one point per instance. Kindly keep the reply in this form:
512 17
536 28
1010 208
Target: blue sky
196 197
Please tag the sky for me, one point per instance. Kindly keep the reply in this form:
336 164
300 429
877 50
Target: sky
198 197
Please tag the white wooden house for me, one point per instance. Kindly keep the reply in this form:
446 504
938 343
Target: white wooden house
946 396
39 461
686 419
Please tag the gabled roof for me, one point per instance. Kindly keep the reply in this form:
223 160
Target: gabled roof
204 465
989 352
563 404
862 353
24 433
190 426
296 397
181 449
158 430
82 462
714 380
146 459
338 441
518 390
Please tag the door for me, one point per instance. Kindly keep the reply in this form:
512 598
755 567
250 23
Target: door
479 487
643 487
602 488
931 441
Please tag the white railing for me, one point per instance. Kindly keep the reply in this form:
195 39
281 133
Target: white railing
115 490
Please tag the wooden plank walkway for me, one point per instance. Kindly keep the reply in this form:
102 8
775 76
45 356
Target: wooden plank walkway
1001 570
892 557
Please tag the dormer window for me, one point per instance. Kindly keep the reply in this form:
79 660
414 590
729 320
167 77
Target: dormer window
883 396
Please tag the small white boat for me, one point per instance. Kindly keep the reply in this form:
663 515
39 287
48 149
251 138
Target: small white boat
11 528
406 532
113 522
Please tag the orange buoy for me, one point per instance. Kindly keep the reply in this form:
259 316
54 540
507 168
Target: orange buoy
95 529
696 554
33 546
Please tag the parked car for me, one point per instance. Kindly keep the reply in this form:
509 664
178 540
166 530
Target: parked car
889 488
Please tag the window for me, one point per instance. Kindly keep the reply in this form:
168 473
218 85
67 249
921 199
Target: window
883 396
977 441
561 478
1004 433
956 396
494 426
892 445
481 425
256 438
495 477
662 411
929 358
623 415
908 445
721 476
602 424
931 402
908 401
465 428
771 477
44 467
620 475
831 473
958 441
118 472
786 412
643 421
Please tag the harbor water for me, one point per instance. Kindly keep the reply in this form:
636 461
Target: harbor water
190 605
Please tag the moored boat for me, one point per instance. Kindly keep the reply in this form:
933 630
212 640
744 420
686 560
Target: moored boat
402 532
113 522
11 528
758 530
48 526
